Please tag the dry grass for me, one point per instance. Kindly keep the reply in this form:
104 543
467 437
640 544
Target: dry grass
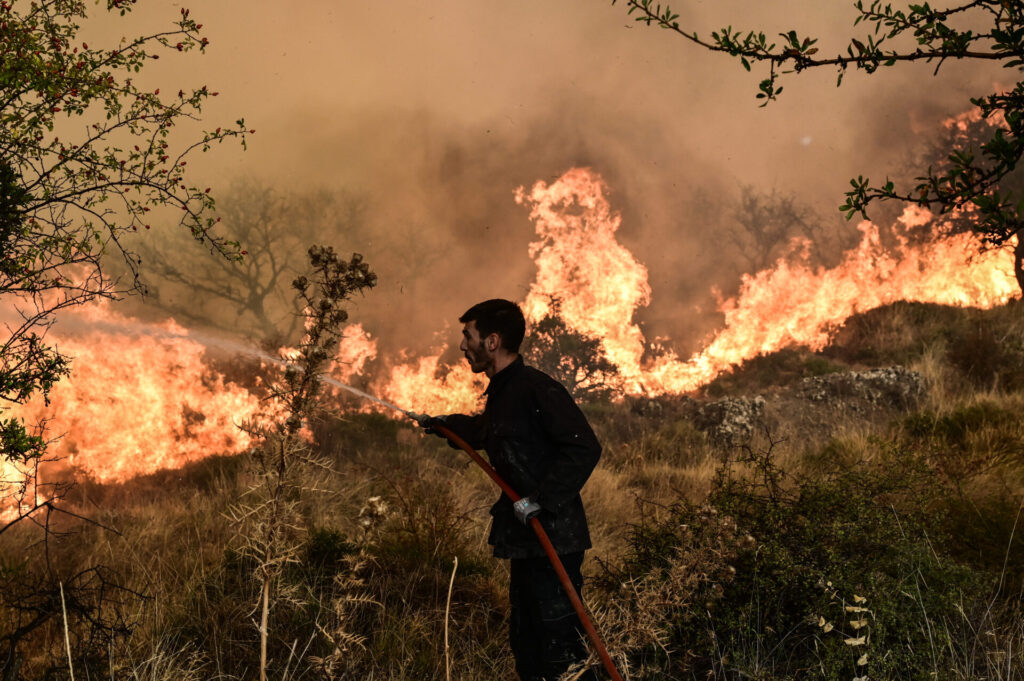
174 531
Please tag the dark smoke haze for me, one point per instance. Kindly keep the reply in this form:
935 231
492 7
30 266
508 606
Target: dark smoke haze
434 112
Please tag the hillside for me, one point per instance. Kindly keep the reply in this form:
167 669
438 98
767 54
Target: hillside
731 528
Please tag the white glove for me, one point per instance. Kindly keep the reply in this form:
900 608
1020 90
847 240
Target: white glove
525 509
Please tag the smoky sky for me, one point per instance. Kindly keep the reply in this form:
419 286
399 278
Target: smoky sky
437 111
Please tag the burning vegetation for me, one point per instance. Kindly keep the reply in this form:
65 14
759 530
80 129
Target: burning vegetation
344 528
153 399
142 397
827 483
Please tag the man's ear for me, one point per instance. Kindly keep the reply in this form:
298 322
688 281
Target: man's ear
492 342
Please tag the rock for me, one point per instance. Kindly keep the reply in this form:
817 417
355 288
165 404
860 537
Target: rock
731 421
889 387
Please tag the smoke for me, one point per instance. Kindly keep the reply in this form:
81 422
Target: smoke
434 113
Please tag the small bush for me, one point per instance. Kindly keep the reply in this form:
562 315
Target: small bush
816 365
977 355
575 360
986 357
743 611
425 532
326 554
411 538
895 334
341 437
955 427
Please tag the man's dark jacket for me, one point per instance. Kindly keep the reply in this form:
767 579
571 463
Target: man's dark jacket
540 443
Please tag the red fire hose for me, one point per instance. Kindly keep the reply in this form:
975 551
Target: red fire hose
556 562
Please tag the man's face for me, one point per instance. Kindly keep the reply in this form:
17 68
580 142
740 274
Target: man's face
478 351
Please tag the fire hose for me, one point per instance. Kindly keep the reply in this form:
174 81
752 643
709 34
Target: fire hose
538 529
556 562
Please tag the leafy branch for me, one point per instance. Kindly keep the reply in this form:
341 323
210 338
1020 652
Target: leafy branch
973 175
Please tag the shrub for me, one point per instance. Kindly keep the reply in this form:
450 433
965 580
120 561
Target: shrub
575 360
895 334
781 368
986 357
771 558
969 441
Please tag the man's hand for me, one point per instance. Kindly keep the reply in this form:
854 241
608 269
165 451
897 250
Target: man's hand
427 423
525 509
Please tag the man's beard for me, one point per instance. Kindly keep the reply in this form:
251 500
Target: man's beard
477 364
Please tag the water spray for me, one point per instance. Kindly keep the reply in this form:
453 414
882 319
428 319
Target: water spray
131 327
538 529
267 357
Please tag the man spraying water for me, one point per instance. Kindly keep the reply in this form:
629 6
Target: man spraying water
539 441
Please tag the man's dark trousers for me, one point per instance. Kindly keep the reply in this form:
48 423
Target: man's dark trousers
544 629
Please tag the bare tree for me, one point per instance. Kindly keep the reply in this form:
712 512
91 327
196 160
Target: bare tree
758 227
763 226
252 295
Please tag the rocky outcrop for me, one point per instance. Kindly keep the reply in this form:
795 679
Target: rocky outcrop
816 406
731 421
891 387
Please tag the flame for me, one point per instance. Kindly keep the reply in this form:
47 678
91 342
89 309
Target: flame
427 386
599 286
598 282
356 349
139 399
18 489
961 124
792 303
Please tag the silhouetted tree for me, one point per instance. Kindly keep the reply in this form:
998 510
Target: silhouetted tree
576 361
765 226
252 296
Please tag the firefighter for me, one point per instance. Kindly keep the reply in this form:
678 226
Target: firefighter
539 441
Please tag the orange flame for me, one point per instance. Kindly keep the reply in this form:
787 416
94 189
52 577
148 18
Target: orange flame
599 285
140 397
789 304
18 491
597 280
426 386
356 349
136 403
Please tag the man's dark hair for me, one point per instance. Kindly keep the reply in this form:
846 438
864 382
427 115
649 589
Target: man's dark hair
502 317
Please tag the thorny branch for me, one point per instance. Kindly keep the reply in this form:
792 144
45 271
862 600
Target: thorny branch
283 466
